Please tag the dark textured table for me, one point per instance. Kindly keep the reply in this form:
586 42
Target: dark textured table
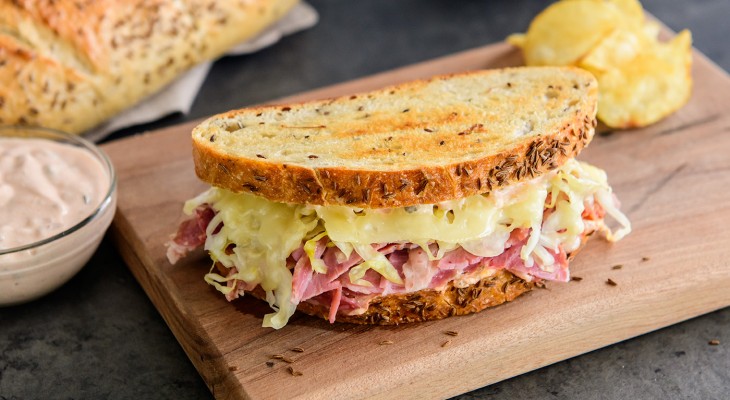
100 337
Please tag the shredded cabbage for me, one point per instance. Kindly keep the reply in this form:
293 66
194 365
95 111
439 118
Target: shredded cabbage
373 260
265 233
310 247
488 246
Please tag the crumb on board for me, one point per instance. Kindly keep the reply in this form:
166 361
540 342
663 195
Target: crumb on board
282 358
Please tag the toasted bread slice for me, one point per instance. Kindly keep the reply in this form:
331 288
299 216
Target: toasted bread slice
420 142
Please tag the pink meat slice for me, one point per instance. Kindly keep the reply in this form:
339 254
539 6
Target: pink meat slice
512 262
190 234
418 271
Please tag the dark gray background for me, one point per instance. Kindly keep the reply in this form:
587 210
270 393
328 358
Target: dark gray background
100 337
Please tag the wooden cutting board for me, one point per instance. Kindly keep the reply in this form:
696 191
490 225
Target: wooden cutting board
672 178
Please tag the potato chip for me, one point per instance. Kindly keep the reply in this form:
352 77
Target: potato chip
632 10
651 30
654 84
640 79
565 31
616 49
516 39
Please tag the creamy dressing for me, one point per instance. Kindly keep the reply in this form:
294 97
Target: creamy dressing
45 188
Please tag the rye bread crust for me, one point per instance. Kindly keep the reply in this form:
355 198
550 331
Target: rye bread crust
427 304
228 149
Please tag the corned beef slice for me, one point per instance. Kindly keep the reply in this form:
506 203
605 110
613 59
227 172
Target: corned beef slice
413 264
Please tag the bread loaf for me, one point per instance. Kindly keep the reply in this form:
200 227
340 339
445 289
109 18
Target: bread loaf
71 64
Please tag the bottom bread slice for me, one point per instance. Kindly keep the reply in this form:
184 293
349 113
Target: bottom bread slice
426 304
429 304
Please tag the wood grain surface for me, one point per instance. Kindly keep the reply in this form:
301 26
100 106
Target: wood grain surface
673 179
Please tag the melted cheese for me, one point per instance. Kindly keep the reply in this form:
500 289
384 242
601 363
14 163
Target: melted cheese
266 233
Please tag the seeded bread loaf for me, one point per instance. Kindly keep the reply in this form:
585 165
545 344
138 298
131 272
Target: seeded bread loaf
71 64
420 142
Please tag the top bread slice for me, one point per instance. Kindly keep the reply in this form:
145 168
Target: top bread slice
420 142
70 65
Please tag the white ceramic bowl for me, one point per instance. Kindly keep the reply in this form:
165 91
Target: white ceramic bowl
33 270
